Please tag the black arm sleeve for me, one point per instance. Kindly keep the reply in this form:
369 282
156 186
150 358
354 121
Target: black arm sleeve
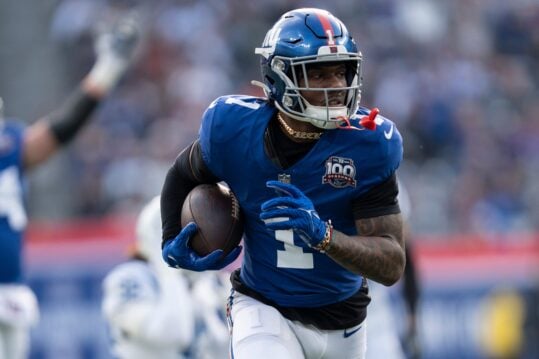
187 171
380 200
71 117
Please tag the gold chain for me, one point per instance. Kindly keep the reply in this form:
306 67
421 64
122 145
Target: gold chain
298 134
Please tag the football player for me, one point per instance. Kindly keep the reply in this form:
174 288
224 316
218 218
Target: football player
315 176
210 291
23 148
148 305
154 311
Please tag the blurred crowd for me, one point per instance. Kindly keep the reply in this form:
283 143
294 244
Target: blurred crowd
459 77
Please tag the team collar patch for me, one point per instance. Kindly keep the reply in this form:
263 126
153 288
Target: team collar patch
340 172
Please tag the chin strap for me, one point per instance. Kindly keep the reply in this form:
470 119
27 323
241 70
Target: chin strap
264 87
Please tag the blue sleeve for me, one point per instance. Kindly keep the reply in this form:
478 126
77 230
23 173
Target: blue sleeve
216 131
394 152
390 143
385 148
382 155
205 137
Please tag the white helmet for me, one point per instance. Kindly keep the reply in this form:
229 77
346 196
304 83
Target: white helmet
148 232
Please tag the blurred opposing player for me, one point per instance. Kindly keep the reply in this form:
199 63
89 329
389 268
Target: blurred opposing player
411 289
22 148
387 339
210 292
147 305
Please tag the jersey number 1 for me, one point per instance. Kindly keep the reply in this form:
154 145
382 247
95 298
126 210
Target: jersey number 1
292 256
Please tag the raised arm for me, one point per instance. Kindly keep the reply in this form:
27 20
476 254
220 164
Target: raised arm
114 52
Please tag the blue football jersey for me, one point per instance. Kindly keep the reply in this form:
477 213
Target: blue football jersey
13 218
341 166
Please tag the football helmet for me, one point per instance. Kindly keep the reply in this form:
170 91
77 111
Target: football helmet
148 232
303 38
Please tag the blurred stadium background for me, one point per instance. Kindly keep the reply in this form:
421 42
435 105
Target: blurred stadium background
459 77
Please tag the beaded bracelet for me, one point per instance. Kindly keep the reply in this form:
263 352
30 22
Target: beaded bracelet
328 236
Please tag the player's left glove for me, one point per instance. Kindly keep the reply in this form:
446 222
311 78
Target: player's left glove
114 49
178 254
294 210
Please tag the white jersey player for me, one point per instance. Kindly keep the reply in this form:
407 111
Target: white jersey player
210 292
147 305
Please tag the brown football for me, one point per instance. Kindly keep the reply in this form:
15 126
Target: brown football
216 211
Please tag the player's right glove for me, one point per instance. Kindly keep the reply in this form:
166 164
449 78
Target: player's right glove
292 209
178 254
114 49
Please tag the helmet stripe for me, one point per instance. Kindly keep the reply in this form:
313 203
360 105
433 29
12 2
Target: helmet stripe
326 25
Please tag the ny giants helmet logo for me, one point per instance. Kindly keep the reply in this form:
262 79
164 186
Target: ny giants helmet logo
340 172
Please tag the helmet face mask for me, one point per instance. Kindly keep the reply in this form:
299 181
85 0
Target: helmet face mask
301 40
333 104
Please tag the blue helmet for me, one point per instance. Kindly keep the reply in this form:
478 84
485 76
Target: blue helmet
304 37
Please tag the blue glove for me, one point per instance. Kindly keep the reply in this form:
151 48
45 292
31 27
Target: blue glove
298 212
178 254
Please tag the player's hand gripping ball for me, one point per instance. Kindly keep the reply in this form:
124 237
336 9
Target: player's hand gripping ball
212 230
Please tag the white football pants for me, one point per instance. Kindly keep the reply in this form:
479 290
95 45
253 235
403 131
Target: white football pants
260 331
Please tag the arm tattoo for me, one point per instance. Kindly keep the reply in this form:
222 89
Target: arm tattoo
376 252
